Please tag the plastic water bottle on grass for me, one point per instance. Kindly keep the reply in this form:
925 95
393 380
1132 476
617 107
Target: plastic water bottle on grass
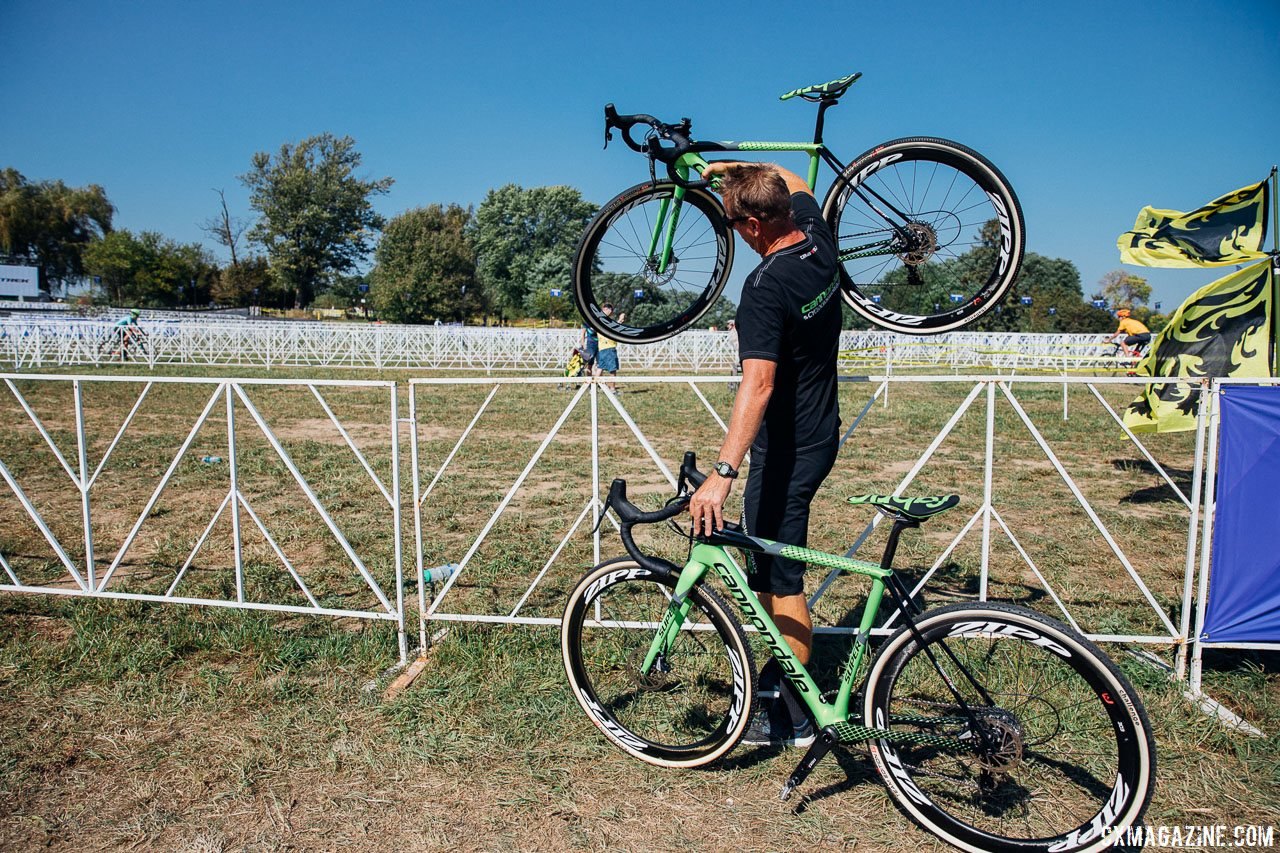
211 460
439 573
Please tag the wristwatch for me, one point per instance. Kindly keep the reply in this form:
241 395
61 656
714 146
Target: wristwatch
724 469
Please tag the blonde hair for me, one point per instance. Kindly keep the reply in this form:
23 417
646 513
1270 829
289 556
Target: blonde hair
756 189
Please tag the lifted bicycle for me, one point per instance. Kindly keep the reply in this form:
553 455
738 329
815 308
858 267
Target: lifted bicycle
929 233
993 727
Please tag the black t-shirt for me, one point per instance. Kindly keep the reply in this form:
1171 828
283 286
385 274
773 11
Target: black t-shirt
790 315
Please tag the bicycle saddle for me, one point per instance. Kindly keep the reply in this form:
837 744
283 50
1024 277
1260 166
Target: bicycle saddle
917 509
834 89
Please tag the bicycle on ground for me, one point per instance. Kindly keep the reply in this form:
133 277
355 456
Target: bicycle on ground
929 233
992 726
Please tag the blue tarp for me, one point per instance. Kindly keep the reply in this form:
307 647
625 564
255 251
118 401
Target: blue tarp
1244 585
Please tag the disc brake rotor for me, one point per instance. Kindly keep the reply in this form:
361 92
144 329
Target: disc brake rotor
923 243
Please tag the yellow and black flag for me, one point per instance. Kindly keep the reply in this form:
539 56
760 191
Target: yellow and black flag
1228 230
1223 329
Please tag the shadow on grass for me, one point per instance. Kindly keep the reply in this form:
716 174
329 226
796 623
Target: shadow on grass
1161 493
858 770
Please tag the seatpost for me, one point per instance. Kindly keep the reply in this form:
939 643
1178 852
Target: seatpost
822 111
891 547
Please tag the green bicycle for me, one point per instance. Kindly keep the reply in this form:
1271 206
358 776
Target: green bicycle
993 727
929 232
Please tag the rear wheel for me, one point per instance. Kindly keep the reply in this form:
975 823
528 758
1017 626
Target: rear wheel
619 261
1057 756
929 234
694 705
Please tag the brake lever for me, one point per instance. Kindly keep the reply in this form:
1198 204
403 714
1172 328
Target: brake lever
608 136
599 521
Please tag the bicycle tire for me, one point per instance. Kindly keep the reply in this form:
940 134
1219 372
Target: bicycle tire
612 262
1076 745
963 216
688 715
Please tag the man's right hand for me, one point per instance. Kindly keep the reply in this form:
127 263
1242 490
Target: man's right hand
707 504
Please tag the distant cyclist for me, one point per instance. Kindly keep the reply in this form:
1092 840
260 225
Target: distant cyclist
1136 334
127 333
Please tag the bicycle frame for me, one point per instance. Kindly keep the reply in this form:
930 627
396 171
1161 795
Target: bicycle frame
693 162
713 558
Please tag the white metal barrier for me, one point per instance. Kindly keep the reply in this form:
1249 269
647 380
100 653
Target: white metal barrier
54 532
30 342
1128 552
358 571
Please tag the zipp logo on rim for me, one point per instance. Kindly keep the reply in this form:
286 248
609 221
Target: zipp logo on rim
893 764
1006 232
1003 630
866 172
1101 822
610 579
614 730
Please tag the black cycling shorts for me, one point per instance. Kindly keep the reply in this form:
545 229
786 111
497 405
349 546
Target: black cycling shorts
775 505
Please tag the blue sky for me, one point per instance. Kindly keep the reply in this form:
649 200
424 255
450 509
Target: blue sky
1091 109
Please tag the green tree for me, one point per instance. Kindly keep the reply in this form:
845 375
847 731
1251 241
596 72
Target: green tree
425 267
49 224
551 271
719 314
150 269
516 230
1053 284
248 282
315 215
1124 289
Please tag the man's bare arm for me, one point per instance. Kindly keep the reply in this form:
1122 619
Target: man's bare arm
795 183
707 505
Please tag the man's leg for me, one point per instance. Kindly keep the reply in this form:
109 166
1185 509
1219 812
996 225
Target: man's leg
791 614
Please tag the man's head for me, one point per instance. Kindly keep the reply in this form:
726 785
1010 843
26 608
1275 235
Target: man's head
607 308
757 203
1122 313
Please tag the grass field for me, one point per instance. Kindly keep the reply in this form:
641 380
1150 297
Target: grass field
150 726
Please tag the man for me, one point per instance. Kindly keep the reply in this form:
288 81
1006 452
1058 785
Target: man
588 346
786 410
1137 333
607 357
127 331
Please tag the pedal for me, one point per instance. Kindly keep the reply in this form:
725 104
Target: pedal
821 746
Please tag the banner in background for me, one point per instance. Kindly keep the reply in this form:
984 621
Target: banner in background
22 282
1223 329
1228 230
1244 584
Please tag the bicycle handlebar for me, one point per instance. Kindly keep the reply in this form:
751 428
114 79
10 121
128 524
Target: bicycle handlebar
630 515
677 134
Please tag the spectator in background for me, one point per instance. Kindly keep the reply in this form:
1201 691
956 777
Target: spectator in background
588 348
607 357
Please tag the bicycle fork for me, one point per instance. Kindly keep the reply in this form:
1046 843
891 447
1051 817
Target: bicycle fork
664 230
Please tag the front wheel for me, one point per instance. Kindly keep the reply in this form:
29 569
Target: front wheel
1047 747
928 232
659 255
694 703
